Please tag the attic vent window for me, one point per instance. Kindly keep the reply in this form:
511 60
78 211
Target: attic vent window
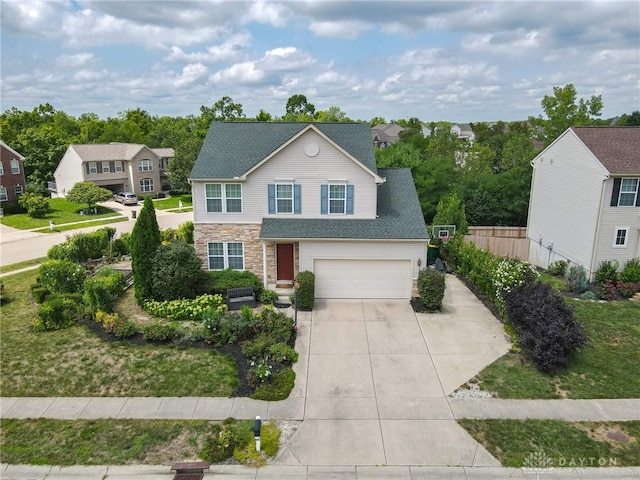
311 149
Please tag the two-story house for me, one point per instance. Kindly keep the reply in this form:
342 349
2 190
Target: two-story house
279 198
585 203
385 134
12 180
119 167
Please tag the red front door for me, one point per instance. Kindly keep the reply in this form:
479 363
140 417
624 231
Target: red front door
284 261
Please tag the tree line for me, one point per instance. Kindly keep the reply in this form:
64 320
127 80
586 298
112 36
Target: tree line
491 175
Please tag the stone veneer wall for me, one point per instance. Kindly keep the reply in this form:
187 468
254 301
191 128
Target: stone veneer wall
248 234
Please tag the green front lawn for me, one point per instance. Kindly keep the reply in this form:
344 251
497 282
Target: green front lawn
173 202
74 362
60 211
558 444
608 367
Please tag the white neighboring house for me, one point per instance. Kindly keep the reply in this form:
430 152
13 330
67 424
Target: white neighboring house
119 167
277 198
463 131
585 204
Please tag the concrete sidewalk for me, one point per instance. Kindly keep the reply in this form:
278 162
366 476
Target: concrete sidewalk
237 472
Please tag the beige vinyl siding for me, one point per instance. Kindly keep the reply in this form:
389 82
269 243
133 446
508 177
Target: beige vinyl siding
70 171
136 175
565 201
611 218
316 250
292 165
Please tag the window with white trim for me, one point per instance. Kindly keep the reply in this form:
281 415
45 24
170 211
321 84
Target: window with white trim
17 188
106 168
15 166
621 237
1 169
145 166
117 166
93 168
284 198
337 198
223 255
223 198
3 193
146 185
628 192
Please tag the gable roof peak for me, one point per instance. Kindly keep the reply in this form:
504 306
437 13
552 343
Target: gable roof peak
615 147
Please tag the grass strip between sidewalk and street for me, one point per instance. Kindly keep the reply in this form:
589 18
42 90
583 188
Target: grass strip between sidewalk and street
554 443
75 363
607 367
20 265
75 226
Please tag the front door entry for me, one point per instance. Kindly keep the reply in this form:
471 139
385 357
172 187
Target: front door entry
284 260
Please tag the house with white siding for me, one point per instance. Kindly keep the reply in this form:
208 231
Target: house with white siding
277 198
585 203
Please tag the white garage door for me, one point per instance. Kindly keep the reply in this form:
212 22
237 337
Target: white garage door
346 278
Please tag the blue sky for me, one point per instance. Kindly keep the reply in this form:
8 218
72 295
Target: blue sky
456 61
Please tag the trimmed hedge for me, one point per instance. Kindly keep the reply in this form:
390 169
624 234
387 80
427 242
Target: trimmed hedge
306 290
102 291
431 286
222 280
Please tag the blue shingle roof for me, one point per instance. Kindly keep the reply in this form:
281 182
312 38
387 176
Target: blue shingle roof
230 149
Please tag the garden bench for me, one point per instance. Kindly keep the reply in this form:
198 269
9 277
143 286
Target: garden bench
190 470
237 297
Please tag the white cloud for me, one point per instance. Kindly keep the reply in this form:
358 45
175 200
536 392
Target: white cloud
231 49
76 60
243 73
339 29
190 74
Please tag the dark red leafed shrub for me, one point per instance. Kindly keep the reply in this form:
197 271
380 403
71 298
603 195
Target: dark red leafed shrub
546 327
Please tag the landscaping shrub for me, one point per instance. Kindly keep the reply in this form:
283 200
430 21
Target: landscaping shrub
577 281
607 270
158 332
268 297
257 347
474 263
628 289
36 205
185 309
508 274
145 240
185 232
55 313
278 324
306 290
64 251
283 353
260 371
103 290
116 325
431 287
61 276
93 245
176 272
606 290
278 388
558 269
39 293
631 271
222 280
547 331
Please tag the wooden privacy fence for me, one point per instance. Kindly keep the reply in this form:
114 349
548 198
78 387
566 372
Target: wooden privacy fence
502 241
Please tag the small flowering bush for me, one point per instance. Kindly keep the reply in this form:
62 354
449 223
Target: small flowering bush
102 291
508 274
185 309
628 289
61 276
158 332
558 269
607 290
260 371
116 325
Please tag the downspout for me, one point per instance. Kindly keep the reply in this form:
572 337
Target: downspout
264 264
597 234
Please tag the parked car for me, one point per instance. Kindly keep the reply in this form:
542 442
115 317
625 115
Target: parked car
126 198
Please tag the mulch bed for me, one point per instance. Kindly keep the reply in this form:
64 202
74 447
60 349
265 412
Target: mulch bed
244 388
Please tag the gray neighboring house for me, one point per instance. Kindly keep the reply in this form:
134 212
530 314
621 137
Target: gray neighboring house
119 167
278 198
585 199
385 134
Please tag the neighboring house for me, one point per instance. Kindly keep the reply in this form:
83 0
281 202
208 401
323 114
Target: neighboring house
385 134
463 131
119 167
278 198
585 204
12 180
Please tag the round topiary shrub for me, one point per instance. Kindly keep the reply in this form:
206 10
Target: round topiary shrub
306 290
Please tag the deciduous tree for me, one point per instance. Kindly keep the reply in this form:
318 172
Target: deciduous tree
89 193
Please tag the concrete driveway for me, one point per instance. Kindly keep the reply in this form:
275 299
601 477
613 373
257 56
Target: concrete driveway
375 377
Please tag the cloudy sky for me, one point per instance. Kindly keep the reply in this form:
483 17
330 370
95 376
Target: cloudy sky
453 60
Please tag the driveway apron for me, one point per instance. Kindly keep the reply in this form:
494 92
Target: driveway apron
377 378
